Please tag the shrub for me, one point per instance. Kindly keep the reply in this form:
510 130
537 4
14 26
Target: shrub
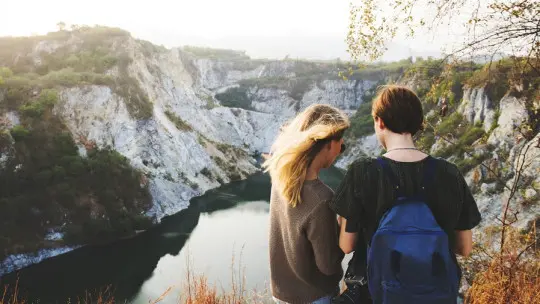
178 122
467 164
450 124
5 72
362 121
465 137
235 97
45 101
137 102
19 133
100 196
215 53
426 141
206 172
471 135
298 88
33 109
48 97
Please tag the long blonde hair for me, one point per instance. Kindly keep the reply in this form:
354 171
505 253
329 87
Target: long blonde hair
296 146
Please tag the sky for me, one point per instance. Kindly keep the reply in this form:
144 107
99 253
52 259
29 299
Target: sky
312 29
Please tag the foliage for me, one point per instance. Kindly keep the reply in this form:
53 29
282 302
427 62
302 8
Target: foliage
215 53
425 141
19 133
5 73
88 63
492 26
466 135
46 100
450 124
235 97
467 164
100 197
178 122
299 87
448 86
137 102
69 78
390 71
206 172
362 121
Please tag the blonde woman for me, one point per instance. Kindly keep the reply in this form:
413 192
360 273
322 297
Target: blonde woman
305 258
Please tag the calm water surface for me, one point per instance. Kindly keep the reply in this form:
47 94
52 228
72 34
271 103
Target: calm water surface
225 222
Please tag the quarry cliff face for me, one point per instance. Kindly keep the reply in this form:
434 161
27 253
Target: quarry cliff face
189 131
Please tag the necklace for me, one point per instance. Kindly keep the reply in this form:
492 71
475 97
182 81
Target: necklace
395 149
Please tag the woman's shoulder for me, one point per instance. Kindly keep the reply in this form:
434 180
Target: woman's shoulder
317 191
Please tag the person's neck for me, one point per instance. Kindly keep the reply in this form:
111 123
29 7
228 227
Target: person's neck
398 141
400 147
314 169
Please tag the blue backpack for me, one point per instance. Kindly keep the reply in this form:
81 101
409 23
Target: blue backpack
409 259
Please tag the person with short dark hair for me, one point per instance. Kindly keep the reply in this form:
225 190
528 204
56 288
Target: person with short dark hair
373 187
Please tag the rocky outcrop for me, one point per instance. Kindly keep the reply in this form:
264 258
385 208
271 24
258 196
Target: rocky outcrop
477 108
526 165
513 113
367 146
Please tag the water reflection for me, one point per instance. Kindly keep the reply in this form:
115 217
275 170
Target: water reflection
241 231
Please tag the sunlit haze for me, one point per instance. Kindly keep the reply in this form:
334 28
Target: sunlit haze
314 29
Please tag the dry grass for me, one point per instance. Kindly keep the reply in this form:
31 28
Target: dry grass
511 275
196 290
501 284
103 296
11 296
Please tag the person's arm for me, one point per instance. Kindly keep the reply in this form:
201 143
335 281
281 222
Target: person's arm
464 242
347 240
322 232
469 217
345 204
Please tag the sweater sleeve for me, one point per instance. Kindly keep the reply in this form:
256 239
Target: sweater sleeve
323 233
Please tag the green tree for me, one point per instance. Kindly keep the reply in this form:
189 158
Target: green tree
61 26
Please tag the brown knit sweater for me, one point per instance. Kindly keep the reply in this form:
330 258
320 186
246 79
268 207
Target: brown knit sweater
305 258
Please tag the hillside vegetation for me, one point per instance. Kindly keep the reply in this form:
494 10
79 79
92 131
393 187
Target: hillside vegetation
45 184
85 55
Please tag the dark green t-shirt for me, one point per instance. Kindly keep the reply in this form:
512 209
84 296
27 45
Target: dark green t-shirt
367 192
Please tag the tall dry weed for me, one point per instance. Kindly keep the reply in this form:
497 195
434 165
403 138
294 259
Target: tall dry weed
507 275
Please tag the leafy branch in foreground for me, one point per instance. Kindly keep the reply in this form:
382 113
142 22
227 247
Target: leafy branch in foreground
492 27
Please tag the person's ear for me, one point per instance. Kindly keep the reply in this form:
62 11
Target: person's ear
380 123
329 145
